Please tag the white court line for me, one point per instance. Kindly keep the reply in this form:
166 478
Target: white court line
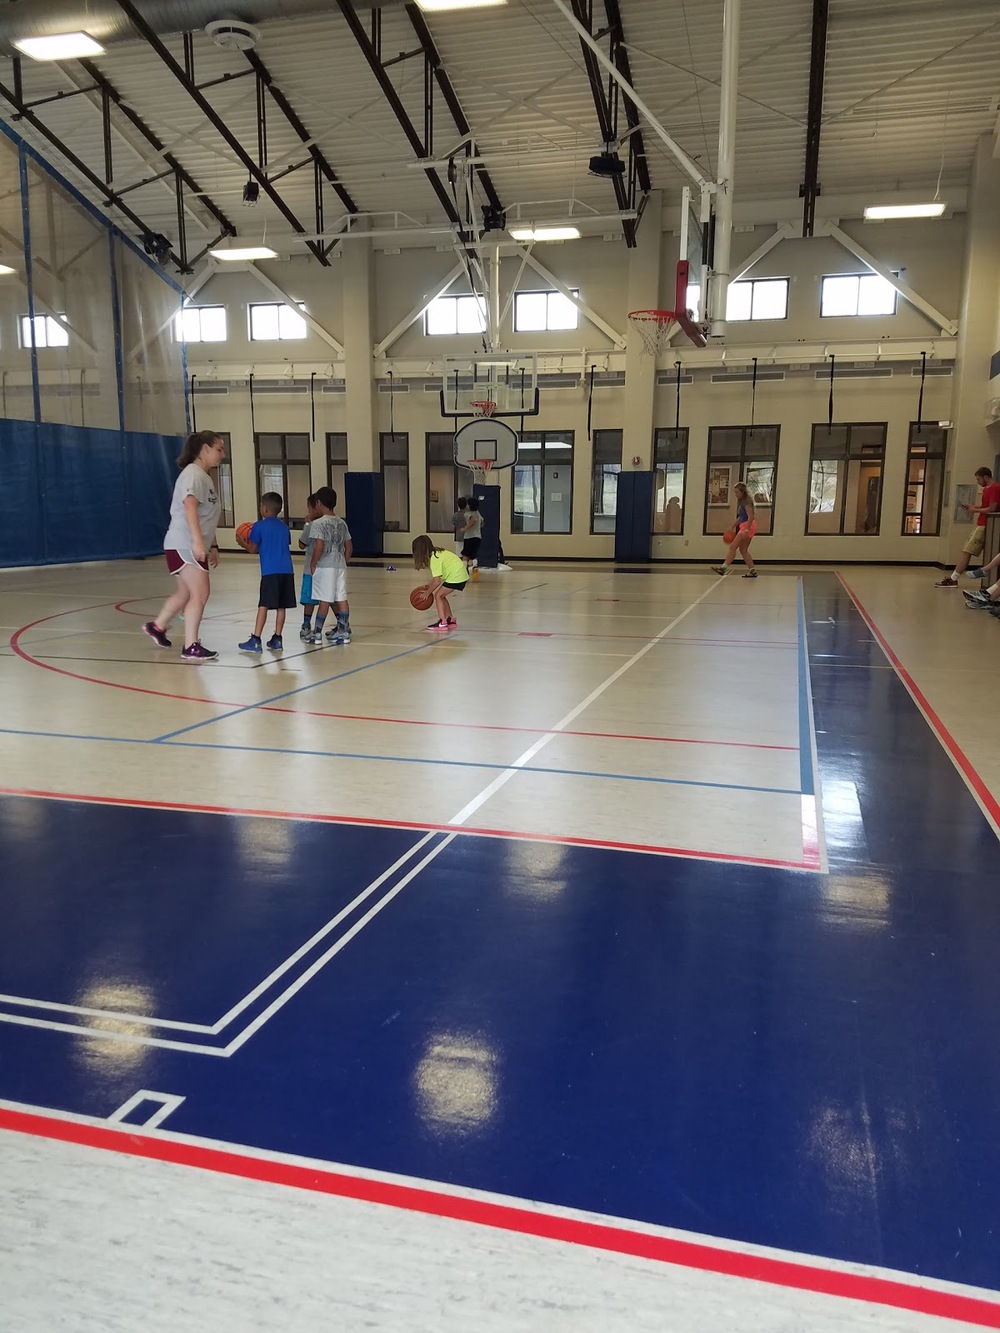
213 1029
563 723
109 1034
345 939
290 991
168 1102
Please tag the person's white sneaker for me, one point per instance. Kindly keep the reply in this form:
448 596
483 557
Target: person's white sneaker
503 567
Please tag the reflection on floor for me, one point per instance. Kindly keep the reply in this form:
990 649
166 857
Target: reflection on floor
632 948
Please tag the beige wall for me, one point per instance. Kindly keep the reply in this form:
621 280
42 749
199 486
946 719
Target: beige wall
930 257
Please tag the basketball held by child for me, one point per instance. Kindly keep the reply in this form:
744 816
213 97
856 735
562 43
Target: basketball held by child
729 536
421 599
243 531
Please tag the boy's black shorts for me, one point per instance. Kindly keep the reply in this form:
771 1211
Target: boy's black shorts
277 591
470 547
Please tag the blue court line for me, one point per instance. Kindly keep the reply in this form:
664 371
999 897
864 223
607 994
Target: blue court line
807 777
402 759
261 703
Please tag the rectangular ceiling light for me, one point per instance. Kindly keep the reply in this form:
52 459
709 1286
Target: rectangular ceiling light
545 233
5 269
437 6
882 212
235 254
62 46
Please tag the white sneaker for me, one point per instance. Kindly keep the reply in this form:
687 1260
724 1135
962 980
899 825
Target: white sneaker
502 566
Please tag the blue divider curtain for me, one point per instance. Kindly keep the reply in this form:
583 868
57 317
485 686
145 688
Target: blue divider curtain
93 381
82 494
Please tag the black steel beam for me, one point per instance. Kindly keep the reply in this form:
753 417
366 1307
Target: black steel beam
621 60
810 188
156 143
288 111
449 94
606 106
11 95
256 172
370 49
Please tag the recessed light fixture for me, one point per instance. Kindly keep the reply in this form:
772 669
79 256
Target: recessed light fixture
437 6
235 254
883 212
5 269
545 233
62 46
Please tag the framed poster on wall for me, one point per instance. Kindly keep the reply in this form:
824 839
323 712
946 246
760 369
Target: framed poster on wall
720 480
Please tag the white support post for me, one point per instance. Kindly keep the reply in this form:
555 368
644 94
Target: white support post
719 286
411 318
946 325
617 338
493 297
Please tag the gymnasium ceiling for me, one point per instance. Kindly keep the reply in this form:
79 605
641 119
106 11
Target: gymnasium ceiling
910 86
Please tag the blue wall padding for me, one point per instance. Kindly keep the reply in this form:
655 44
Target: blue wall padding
78 493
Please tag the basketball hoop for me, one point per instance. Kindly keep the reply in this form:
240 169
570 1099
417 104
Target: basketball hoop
483 407
480 467
655 327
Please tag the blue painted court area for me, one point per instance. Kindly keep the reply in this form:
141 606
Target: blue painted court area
793 1059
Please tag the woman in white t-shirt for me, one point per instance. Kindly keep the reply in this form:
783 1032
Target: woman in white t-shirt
189 545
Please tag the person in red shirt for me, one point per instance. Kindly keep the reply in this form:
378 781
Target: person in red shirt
989 503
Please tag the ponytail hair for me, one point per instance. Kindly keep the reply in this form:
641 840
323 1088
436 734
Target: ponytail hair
194 444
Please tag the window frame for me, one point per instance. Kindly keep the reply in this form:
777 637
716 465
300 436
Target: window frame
659 434
744 461
387 437
937 451
227 517
883 314
543 437
752 283
548 293
600 470
847 457
28 332
335 479
279 306
283 462
455 299
180 335
457 476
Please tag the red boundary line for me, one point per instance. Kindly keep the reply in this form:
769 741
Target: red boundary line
351 717
958 755
788 1273
371 822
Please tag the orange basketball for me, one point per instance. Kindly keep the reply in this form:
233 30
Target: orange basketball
421 599
729 536
243 531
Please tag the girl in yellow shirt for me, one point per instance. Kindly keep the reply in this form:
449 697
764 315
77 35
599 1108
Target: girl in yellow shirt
448 574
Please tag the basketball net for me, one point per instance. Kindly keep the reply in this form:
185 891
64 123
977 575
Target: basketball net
654 327
480 469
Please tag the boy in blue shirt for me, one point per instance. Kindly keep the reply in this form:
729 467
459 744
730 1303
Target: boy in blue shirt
270 539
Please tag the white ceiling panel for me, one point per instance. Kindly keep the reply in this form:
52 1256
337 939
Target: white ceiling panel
909 89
